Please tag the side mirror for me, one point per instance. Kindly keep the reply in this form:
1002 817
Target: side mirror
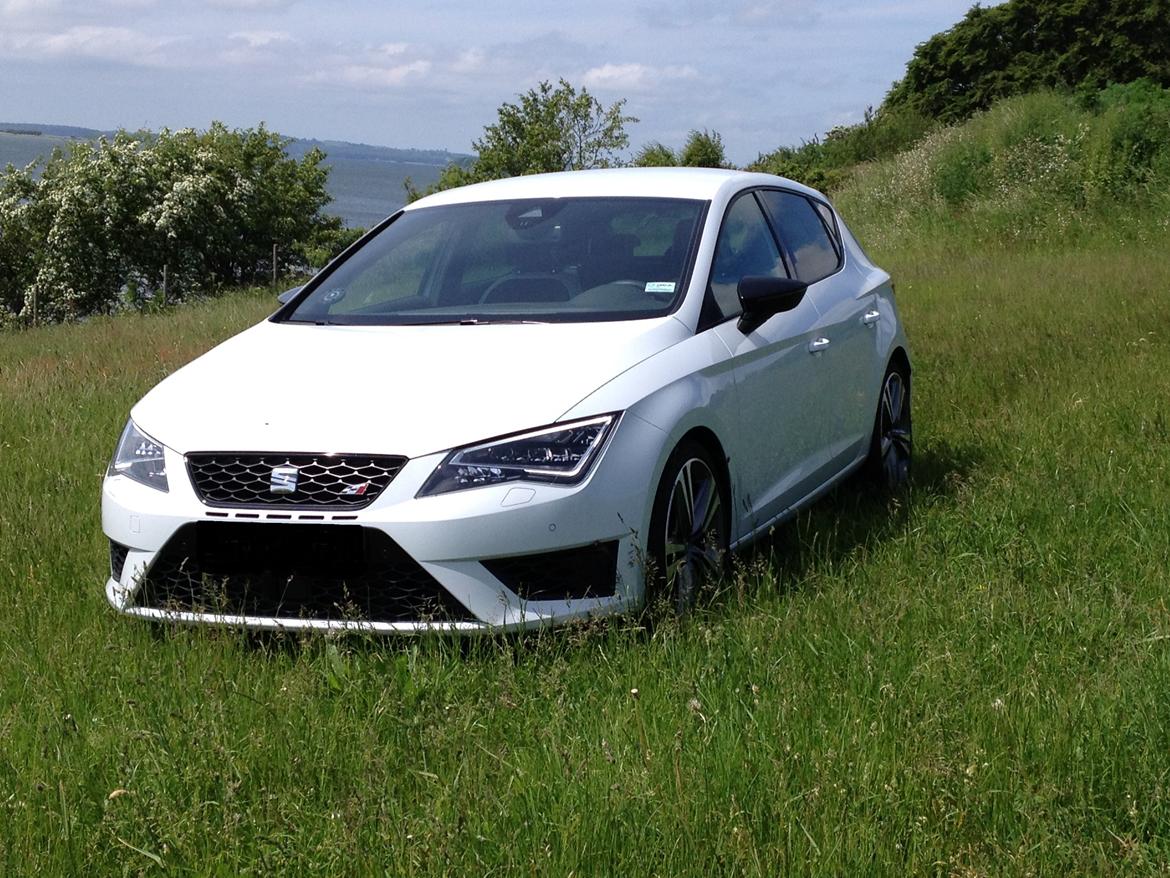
763 297
288 295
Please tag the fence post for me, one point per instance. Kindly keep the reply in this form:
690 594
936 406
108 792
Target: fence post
34 304
274 265
164 286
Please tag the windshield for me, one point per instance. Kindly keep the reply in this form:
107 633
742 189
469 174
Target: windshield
548 260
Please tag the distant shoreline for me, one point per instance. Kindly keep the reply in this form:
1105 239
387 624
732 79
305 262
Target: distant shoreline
366 182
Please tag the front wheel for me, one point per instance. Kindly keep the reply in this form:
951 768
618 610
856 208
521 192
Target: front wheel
689 528
891 448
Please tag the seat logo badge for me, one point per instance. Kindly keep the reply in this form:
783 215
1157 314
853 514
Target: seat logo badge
284 480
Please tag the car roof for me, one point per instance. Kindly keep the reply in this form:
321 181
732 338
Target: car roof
707 184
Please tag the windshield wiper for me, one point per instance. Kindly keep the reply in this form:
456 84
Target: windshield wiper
477 321
472 321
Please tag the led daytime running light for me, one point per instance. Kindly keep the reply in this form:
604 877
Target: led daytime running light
561 454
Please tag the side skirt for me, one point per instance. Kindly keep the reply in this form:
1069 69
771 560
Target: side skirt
806 500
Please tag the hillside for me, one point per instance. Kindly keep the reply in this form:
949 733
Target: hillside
366 182
66 131
1046 168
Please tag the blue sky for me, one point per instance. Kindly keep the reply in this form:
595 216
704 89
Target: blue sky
760 72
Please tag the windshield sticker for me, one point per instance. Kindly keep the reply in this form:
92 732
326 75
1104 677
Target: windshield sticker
658 286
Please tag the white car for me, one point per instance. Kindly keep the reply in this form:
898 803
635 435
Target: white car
513 404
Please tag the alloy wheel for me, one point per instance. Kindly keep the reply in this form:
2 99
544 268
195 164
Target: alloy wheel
695 532
894 434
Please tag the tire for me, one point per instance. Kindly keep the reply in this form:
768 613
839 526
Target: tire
891 448
687 554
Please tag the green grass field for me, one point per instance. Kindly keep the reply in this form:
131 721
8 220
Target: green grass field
972 680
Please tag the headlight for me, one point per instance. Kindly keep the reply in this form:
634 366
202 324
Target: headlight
562 454
140 458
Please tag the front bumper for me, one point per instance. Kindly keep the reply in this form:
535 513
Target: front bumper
468 543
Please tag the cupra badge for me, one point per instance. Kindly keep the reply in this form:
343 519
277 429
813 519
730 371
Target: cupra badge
284 480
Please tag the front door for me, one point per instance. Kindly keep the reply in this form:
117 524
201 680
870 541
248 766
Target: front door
779 412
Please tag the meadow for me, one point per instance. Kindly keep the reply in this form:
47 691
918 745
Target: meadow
968 680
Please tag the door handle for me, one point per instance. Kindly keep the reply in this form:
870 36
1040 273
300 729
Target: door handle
817 345
871 317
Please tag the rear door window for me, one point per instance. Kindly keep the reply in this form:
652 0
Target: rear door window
811 247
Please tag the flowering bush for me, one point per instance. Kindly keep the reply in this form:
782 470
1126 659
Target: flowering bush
102 222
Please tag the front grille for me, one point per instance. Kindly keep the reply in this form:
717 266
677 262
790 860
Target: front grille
294 571
349 481
118 554
568 574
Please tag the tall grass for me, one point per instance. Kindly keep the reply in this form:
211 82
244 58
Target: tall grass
969 681
1042 168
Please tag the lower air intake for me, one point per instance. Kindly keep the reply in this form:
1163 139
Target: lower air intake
569 574
294 571
118 554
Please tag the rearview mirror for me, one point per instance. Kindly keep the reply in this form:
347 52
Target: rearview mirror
288 295
763 297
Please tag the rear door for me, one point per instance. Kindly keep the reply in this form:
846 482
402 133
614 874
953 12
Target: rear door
844 339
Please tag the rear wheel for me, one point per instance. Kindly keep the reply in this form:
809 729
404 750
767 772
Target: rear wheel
891 448
689 528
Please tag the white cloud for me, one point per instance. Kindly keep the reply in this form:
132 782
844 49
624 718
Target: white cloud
393 49
259 39
257 47
372 75
24 7
720 13
250 5
119 44
635 77
469 61
42 8
28 15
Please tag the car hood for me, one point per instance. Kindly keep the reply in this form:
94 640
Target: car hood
408 390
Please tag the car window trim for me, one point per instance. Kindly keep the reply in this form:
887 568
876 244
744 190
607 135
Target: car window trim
834 231
700 326
282 313
692 255
785 254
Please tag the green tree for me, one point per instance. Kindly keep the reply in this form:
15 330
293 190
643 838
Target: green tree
550 128
703 149
655 155
1022 45
22 235
825 163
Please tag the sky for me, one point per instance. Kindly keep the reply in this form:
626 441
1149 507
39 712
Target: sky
762 73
